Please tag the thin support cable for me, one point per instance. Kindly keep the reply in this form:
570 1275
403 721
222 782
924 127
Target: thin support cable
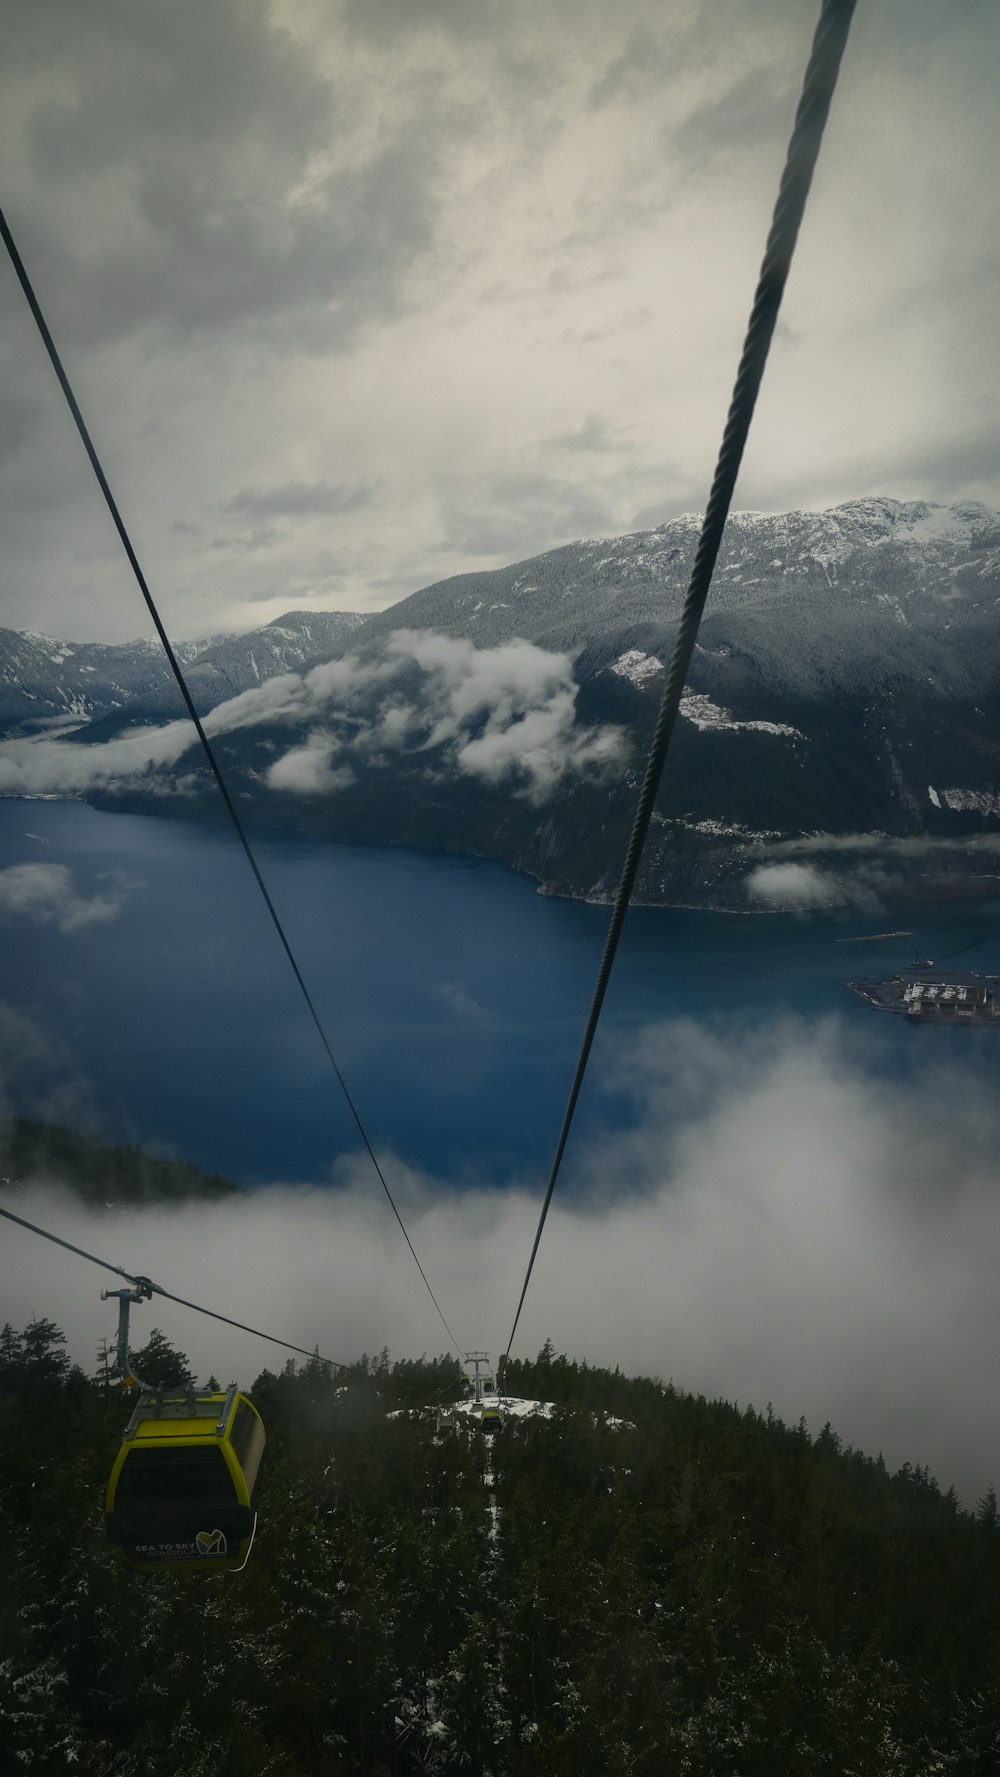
175 668
803 149
157 1289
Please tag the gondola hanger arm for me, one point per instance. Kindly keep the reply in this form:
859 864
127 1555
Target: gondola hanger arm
141 1292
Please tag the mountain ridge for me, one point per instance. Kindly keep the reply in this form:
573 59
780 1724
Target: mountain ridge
846 682
108 679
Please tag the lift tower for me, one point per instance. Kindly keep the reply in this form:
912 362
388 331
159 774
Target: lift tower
479 1360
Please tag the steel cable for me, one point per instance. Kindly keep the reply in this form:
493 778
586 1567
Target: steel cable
158 1290
818 86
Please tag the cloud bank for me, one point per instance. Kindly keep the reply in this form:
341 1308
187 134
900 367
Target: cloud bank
779 1225
45 767
497 714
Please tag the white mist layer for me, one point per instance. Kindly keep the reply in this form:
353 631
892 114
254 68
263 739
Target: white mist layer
777 1227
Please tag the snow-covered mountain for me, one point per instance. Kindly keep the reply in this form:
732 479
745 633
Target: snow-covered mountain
46 682
237 663
846 682
880 562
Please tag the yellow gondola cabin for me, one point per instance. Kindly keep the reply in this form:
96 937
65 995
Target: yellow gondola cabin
181 1492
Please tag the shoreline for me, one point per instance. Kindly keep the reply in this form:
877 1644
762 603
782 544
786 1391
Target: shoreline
916 888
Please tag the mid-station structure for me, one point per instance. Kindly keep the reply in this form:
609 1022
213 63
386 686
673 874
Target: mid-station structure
480 1404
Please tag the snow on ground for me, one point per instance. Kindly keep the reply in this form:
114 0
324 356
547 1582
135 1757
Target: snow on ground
982 801
699 709
716 829
637 667
641 668
510 1407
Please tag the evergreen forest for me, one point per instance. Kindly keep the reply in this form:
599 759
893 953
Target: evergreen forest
644 1582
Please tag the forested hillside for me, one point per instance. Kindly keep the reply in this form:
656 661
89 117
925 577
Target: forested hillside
97 1172
699 1589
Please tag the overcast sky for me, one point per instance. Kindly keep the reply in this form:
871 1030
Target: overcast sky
361 293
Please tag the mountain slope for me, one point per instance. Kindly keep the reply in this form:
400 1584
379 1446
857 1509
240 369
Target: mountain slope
846 682
45 682
113 687
700 1589
827 581
99 1173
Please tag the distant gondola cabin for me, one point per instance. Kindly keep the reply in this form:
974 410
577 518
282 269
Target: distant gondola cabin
181 1492
491 1419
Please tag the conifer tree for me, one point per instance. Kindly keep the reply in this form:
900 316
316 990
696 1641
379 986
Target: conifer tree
159 1364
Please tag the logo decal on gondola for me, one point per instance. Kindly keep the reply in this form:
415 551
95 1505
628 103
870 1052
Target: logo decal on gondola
210 1542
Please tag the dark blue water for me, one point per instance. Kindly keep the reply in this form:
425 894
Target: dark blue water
453 994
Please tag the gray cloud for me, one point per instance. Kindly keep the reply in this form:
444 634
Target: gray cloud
884 844
793 886
460 1000
506 712
41 1076
195 136
496 713
595 434
645 62
309 770
48 767
18 419
386 19
519 515
186 78
526 699
779 1226
207 264
757 109
864 870
418 242
296 499
45 894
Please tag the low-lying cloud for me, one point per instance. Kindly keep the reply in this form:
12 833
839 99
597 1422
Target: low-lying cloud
524 697
309 770
793 886
45 895
497 714
779 1225
41 766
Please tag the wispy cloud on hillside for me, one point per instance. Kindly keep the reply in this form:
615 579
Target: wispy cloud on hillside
41 766
778 1226
490 713
524 699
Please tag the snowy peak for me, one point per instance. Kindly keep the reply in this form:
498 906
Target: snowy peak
46 683
237 663
586 593
50 684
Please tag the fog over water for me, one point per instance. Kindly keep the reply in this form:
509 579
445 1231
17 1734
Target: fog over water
772 1194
